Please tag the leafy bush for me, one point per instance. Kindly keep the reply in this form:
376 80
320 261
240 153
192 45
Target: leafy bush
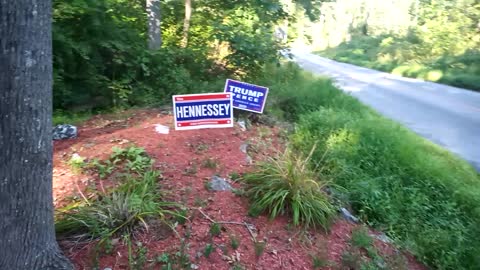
287 185
128 160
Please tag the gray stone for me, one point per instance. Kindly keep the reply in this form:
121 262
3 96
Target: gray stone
244 147
249 160
108 268
219 184
62 132
384 238
348 216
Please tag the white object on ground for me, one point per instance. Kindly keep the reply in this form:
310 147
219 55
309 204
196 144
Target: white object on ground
162 129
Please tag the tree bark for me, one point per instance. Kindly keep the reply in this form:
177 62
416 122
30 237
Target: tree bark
154 21
186 22
27 238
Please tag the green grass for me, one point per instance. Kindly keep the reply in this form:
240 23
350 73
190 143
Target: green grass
60 117
286 185
215 229
361 238
422 196
209 248
404 56
234 241
121 210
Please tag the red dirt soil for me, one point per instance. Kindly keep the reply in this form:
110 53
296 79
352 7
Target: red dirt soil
174 153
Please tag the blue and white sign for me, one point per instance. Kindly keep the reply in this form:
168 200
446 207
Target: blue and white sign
246 96
203 111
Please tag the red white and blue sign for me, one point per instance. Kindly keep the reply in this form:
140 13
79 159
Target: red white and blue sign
246 96
198 111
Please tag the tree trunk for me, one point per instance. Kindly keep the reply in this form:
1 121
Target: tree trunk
154 19
27 238
186 22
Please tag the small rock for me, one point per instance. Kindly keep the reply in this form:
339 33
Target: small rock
348 216
199 254
249 160
384 238
61 132
194 266
108 268
244 147
219 184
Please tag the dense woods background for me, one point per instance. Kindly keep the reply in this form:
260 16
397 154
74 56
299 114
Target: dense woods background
436 40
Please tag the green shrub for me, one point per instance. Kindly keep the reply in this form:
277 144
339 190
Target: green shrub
234 241
215 229
286 185
361 238
116 212
209 248
120 210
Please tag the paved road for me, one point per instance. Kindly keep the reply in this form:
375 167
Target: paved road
447 116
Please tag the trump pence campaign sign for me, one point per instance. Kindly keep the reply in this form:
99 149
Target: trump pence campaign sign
246 96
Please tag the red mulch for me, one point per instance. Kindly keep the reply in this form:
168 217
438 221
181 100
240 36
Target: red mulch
286 247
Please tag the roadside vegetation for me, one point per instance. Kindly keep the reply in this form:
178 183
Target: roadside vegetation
439 43
422 196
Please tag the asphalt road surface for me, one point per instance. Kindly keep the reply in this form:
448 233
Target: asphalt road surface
447 116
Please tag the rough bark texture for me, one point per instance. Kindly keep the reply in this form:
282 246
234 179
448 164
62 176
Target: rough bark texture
26 204
186 22
154 19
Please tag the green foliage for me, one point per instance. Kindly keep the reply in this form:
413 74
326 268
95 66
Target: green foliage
287 185
442 47
127 160
101 59
60 117
234 176
215 229
138 257
237 266
234 241
137 160
352 259
209 248
177 260
319 262
118 211
361 238
77 163
422 196
210 163
259 247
